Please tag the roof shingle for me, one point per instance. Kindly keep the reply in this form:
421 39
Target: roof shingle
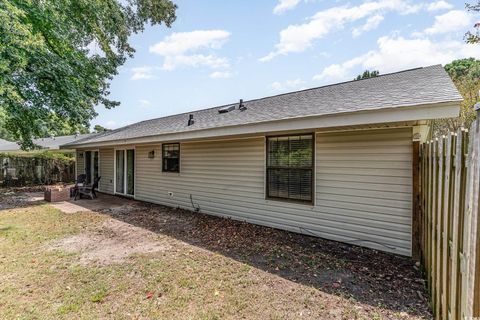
419 86
50 143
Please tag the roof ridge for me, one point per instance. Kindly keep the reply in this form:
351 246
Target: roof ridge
174 121
273 96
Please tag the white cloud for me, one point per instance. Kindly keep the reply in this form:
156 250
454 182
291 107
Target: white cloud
145 103
179 43
220 75
451 21
94 49
268 57
397 53
339 72
288 85
142 73
300 37
111 124
194 61
439 5
180 49
372 23
284 5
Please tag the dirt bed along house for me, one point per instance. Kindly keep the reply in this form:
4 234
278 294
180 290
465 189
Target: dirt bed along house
134 260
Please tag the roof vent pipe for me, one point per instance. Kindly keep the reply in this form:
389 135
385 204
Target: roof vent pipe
190 120
241 106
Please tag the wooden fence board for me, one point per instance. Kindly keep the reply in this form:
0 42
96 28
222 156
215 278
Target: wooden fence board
470 248
465 245
438 218
430 222
454 235
433 210
445 223
449 222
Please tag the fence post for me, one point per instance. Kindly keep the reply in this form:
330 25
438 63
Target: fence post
466 304
474 256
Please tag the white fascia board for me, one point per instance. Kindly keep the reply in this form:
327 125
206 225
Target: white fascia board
387 115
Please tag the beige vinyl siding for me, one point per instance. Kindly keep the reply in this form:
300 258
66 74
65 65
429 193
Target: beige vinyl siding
80 162
106 170
363 186
365 178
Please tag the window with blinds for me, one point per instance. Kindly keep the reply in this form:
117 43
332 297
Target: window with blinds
290 168
171 157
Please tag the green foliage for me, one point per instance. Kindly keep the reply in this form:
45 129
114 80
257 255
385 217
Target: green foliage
47 155
99 128
367 74
473 36
465 73
49 80
4 134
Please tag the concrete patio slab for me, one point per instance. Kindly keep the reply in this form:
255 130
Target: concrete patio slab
102 202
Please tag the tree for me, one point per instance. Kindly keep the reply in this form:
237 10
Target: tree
49 79
473 36
367 74
98 128
4 134
465 73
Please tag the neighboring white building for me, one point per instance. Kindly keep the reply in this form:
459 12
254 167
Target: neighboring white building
333 162
51 143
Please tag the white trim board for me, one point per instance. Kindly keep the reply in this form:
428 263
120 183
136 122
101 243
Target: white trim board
387 115
125 168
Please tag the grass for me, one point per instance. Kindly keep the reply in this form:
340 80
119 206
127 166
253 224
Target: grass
183 282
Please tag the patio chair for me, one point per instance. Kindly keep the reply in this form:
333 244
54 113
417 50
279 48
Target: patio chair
88 190
80 182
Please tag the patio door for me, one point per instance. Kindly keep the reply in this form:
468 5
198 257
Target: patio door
91 165
125 172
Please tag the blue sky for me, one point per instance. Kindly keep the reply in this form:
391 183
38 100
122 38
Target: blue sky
220 51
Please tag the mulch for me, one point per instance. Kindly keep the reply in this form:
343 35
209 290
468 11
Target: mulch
368 276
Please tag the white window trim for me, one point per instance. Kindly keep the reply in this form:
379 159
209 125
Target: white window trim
125 194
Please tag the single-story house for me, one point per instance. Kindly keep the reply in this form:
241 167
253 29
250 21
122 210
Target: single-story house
49 143
333 162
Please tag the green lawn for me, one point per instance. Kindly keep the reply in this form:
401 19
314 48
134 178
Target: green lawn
108 269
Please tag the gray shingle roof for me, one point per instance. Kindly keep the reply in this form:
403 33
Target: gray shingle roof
6 145
52 143
419 86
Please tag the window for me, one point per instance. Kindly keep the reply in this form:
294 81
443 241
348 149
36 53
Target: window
171 157
290 168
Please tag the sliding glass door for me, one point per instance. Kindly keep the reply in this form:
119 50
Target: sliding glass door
91 166
120 172
130 171
125 171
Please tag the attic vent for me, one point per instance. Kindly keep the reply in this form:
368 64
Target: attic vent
226 109
190 120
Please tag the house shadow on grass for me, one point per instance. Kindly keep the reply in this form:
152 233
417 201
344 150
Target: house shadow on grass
368 276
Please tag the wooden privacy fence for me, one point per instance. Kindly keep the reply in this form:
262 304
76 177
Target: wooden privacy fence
450 224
